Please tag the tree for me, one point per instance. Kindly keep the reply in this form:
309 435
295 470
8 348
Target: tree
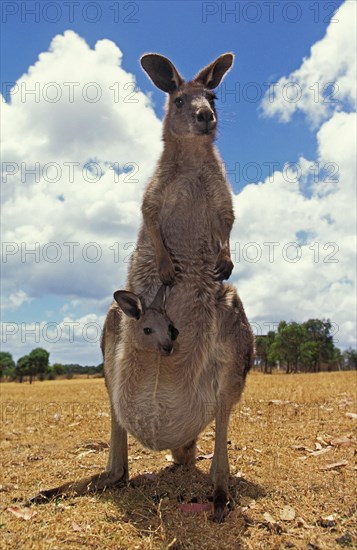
288 345
23 368
58 369
39 362
6 362
263 351
350 358
319 332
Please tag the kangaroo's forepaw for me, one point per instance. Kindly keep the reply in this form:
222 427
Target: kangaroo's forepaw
223 268
167 271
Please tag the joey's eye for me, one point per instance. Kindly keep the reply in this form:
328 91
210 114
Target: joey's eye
179 102
147 330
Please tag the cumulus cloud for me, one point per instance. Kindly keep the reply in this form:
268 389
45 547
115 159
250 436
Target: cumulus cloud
326 80
315 277
81 141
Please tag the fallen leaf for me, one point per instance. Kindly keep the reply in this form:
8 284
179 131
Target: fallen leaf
335 465
270 522
169 458
76 527
8 487
278 402
328 521
352 415
96 445
345 540
321 451
247 502
85 453
22 513
302 523
301 448
104 414
287 513
322 441
258 450
268 517
318 446
195 508
150 475
343 441
206 456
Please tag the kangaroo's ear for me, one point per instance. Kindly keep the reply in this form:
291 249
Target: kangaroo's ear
212 75
162 72
129 303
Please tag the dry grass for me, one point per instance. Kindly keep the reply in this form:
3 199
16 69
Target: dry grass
45 426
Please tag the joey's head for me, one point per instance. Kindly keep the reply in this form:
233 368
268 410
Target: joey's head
153 329
191 111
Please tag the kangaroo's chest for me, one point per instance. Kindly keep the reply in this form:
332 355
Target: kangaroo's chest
158 406
184 215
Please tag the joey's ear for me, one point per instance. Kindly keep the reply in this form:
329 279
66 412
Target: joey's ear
160 299
212 75
161 71
129 303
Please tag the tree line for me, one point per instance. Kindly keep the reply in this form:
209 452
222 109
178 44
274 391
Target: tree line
302 347
294 347
35 366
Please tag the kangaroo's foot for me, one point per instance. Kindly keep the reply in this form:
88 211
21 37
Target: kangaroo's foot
97 482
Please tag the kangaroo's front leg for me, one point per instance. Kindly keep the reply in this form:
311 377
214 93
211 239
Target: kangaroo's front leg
164 263
220 466
222 226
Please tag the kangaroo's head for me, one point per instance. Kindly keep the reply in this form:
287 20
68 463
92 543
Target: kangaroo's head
153 330
191 109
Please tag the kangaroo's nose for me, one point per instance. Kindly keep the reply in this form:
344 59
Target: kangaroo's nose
167 348
204 114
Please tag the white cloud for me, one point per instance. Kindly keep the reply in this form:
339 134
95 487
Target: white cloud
15 300
326 80
64 201
72 340
316 211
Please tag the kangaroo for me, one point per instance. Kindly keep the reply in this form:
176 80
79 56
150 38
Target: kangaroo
165 400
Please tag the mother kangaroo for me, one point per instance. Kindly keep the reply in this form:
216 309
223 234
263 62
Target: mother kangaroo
166 400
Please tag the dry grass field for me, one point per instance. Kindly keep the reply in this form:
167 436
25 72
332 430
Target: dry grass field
291 448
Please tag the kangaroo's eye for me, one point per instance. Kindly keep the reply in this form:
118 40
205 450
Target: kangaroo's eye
147 330
179 102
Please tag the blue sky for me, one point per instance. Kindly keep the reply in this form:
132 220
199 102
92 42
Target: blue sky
270 41
193 33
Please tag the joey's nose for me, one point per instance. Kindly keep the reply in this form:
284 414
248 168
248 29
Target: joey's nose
167 349
204 114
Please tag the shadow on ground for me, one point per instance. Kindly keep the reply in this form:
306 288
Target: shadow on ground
154 506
